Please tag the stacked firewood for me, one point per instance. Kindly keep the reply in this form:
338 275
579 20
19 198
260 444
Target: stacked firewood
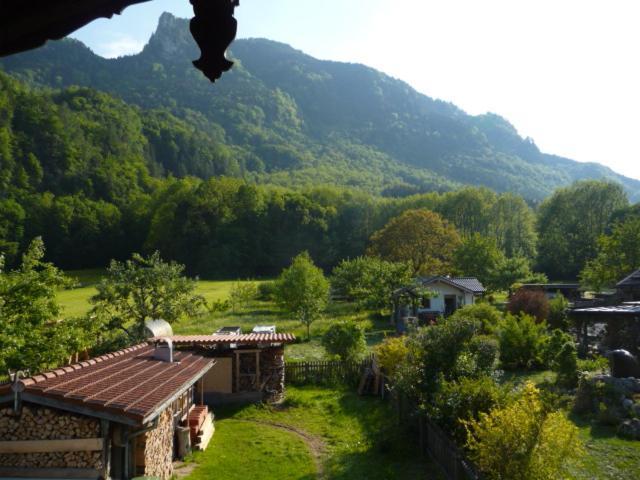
158 448
36 423
272 374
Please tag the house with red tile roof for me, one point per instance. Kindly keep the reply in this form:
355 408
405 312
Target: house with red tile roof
131 412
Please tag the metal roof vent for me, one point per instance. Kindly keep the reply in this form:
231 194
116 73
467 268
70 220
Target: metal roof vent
157 329
164 350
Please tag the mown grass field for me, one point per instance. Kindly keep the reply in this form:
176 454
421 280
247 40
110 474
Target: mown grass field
75 302
315 433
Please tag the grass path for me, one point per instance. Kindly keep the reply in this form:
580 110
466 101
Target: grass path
323 433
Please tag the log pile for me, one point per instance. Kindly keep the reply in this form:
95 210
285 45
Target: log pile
272 374
158 448
38 423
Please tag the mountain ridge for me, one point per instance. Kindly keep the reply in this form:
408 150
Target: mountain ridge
291 118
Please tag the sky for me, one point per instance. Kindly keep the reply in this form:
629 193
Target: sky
564 72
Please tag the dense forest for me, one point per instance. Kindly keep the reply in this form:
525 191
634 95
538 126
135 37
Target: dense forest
284 155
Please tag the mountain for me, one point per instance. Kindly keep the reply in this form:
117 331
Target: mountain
284 117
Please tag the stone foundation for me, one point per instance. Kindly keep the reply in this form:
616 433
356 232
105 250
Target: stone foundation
39 423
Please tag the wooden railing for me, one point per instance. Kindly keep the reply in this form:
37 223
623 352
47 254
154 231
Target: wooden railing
325 372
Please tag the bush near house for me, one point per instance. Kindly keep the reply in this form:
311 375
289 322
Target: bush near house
530 302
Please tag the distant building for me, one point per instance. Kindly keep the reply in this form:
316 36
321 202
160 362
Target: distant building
432 297
628 289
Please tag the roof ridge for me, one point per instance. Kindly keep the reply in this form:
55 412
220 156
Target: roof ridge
60 371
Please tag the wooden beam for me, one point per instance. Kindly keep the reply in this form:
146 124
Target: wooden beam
15 472
44 446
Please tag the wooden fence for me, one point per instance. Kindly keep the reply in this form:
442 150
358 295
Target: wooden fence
445 453
325 372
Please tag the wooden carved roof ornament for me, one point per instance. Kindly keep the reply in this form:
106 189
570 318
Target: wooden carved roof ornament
214 28
28 24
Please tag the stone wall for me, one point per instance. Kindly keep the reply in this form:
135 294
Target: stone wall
39 423
272 371
158 448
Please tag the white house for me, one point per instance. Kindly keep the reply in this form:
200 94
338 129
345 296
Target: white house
432 297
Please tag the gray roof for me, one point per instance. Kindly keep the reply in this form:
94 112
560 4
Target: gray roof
630 308
470 284
632 280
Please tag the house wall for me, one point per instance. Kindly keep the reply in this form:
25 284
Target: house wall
443 289
40 423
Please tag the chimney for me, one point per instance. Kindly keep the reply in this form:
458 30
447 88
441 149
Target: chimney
164 350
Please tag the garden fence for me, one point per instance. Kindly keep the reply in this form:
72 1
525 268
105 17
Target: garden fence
325 372
445 453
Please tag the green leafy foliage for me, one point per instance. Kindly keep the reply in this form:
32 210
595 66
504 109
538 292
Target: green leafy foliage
143 289
345 340
369 281
420 238
523 440
618 255
31 336
522 342
391 353
242 294
558 312
302 290
487 316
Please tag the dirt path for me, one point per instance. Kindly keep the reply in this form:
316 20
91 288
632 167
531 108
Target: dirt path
316 445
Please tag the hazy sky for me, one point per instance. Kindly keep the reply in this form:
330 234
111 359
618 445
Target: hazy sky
564 72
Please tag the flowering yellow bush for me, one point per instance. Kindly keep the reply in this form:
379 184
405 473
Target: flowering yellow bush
523 440
391 353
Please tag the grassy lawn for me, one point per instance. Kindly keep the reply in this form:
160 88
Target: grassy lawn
75 302
241 450
608 457
352 437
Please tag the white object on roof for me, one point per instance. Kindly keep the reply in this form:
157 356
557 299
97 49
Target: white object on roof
264 329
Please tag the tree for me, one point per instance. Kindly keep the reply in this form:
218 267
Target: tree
618 256
479 257
514 270
241 294
570 223
303 290
522 342
345 339
513 226
523 440
31 335
420 237
144 288
369 281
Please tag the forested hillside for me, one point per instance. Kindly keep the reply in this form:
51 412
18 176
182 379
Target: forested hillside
283 117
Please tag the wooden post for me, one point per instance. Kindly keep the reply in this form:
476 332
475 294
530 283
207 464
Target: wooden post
258 369
106 448
237 371
202 391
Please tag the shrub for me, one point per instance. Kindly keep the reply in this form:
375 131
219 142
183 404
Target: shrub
344 339
556 339
523 440
267 291
438 353
522 342
566 364
391 353
488 316
558 313
596 364
531 302
485 351
458 402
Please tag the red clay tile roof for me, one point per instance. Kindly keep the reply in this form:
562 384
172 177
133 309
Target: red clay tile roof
249 338
129 383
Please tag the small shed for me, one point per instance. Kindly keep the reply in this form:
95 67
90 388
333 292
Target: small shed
628 289
248 367
116 416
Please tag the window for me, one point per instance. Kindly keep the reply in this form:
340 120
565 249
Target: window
426 303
